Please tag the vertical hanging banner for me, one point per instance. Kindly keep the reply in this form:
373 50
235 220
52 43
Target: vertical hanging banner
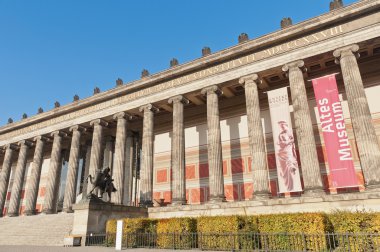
286 158
331 117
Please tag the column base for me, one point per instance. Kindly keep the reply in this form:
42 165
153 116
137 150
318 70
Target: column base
178 202
29 212
373 187
12 214
317 192
68 210
261 195
48 211
217 199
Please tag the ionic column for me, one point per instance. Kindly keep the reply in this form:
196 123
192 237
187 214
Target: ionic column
5 173
178 151
214 144
86 169
96 149
365 134
146 176
119 164
14 203
304 128
256 137
55 168
35 175
128 174
72 173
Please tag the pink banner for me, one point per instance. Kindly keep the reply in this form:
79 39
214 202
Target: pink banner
337 145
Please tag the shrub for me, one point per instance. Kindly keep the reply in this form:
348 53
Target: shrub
222 232
136 231
361 223
278 231
177 233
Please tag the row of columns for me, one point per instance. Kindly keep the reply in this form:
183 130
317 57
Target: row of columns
368 147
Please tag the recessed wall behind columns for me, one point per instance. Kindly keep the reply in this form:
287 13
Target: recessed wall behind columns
236 160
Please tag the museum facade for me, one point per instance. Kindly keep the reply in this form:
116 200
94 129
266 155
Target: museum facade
198 138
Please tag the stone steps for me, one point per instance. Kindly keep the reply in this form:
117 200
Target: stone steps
39 230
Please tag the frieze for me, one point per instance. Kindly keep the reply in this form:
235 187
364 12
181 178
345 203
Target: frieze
224 67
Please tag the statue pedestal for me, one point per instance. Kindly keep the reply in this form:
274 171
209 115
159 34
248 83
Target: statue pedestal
91 215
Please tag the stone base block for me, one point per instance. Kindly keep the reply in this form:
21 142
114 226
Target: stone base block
91 215
369 200
72 241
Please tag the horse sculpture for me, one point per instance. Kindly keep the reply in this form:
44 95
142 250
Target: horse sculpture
102 181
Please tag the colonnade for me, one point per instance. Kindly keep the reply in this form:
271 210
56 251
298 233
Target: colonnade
366 139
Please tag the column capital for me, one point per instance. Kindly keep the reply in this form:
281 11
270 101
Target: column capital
10 146
148 107
121 115
58 133
41 138
346 51
292 65
177 99
77 128
100 122
211 89
25 142
252 78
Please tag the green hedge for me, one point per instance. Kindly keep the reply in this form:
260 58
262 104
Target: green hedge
299 228
360 223
174 233
303 231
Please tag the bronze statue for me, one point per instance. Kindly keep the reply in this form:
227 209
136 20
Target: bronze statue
103 181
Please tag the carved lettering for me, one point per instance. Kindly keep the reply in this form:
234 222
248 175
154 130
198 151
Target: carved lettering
270 52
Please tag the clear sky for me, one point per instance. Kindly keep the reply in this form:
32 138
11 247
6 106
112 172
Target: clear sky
51 50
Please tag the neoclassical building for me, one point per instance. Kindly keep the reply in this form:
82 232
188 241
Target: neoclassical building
197 138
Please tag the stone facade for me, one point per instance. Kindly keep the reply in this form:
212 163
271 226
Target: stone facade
200 132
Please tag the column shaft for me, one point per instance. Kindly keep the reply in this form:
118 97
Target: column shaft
35 175
96 150
365 133
304 128
128 175
256 138
86 169
146 177
14 203
178 151
119 164
215 160
5 173
54 173
72 173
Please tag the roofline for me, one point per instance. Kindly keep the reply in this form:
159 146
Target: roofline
311 25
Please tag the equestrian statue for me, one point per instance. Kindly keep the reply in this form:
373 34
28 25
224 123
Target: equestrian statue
102 181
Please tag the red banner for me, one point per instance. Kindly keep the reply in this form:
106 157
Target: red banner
331 117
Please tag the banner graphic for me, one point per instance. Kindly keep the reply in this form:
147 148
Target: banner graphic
337 145
286 158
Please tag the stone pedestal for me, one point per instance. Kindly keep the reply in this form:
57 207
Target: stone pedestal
91 215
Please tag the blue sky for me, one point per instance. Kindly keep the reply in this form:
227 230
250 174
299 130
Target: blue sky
51 50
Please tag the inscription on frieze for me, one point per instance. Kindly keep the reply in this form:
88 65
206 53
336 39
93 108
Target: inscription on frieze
229 65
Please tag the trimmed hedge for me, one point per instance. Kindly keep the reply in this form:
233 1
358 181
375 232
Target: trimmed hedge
359 222
174 233
303 231
305 225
